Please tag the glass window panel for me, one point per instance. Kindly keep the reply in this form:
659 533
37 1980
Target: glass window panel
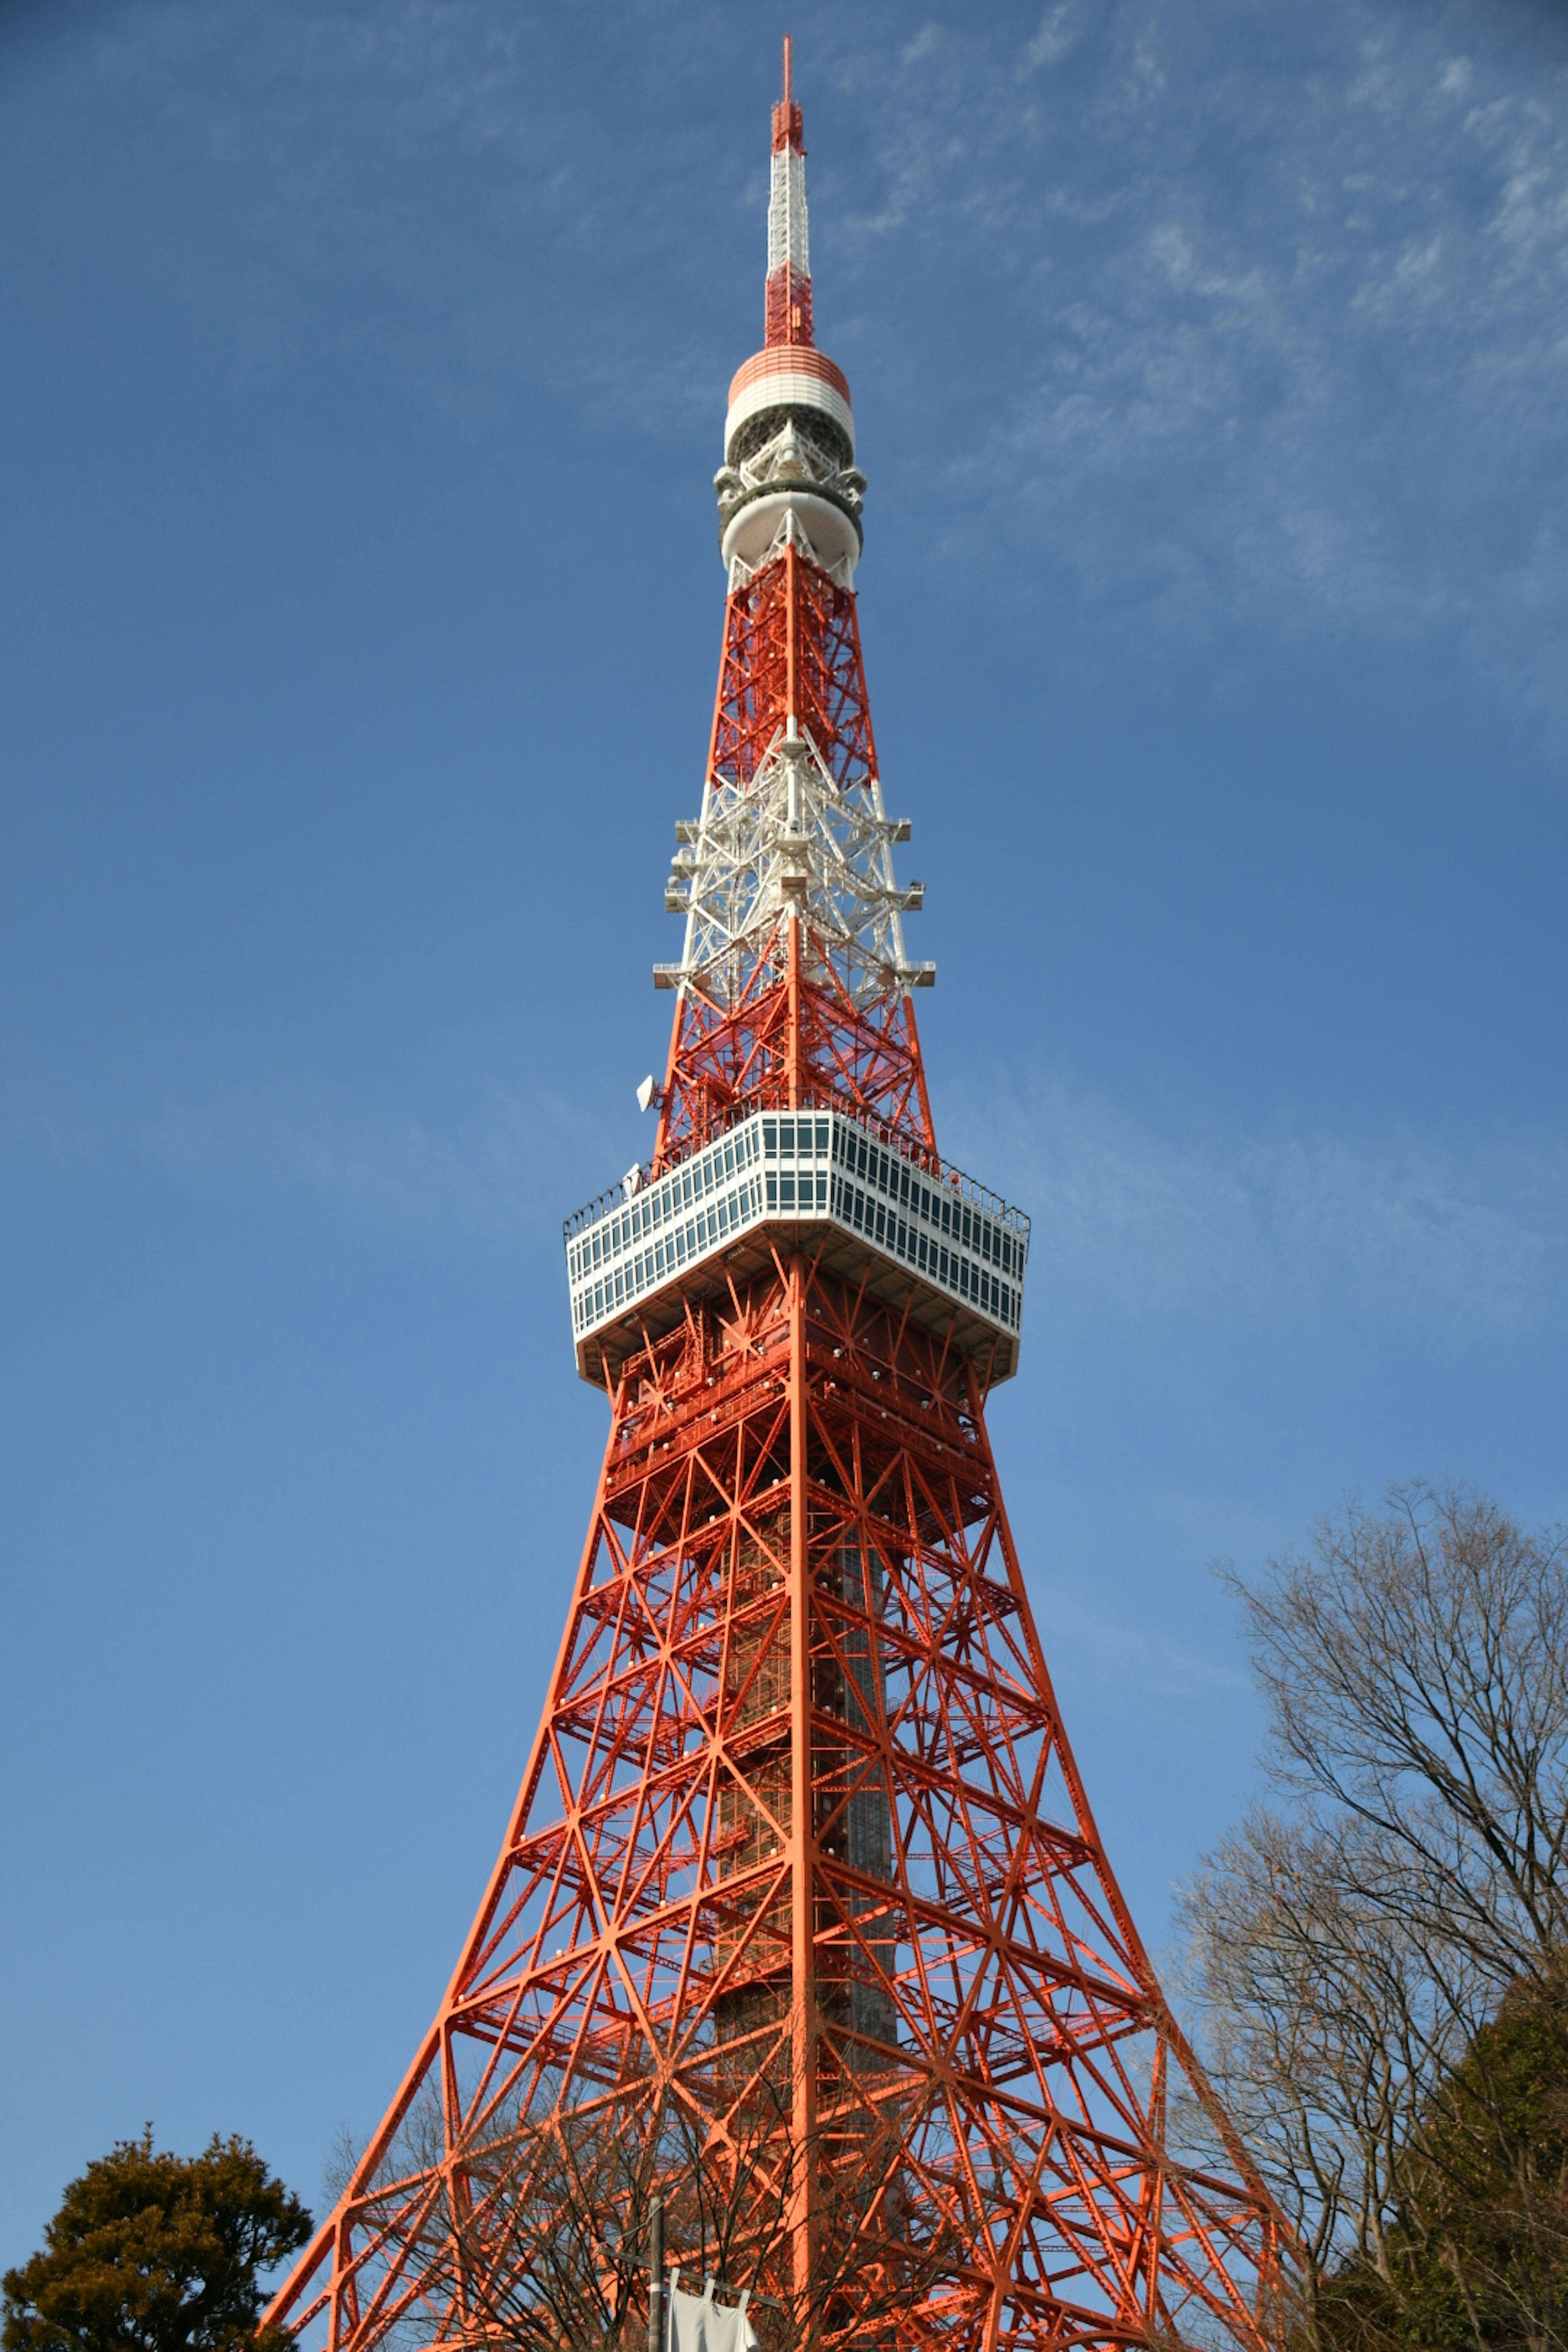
771 1137
786 1192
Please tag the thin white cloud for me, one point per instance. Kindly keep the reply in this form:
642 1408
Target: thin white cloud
1277 327
512 1165
1401 1232
1262 316
1146 1219
1145 1655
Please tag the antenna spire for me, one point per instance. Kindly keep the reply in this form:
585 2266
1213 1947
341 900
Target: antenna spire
788 309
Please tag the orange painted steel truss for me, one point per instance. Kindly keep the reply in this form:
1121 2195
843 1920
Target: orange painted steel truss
801 1838
729 1822
755 1036
744 1033
792 644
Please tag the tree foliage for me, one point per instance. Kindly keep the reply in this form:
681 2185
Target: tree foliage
1376 1956
1478 2249
155 2252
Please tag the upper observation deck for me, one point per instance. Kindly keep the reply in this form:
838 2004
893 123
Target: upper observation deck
927 1239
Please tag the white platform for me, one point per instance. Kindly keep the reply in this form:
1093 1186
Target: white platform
934 1241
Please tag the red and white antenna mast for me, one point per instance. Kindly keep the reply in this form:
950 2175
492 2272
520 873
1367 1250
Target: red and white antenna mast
793 979
802 1920
788 310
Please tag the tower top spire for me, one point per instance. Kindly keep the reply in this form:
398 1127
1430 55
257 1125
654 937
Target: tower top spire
787 123
789 378
788 310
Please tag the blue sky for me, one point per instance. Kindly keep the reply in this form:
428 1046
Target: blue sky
358 615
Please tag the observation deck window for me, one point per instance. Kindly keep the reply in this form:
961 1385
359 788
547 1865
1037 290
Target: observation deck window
902 1210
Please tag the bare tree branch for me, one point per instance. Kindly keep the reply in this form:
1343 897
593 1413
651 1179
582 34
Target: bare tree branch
1345 1951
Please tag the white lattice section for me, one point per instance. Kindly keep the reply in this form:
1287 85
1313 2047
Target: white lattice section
792 841
787 239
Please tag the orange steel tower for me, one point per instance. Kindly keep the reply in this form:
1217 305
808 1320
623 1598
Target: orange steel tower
801 1811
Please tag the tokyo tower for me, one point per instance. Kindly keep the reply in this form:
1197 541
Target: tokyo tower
802 1923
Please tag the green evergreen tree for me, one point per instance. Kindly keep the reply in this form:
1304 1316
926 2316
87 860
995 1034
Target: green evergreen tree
1477 2260
156 2253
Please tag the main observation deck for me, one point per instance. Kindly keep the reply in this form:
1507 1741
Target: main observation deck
927 1238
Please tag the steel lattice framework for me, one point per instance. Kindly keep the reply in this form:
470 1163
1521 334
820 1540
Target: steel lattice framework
791 833
801 1808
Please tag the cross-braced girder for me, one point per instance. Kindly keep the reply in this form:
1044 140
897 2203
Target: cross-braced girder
800 1749
795 978
802 1918
750 1035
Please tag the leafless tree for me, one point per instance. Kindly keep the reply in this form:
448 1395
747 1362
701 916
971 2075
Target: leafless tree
1343 1946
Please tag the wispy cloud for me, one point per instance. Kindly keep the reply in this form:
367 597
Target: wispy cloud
510 1164
1275 318
1145 1655
1152 1220
1247 311
1147 1218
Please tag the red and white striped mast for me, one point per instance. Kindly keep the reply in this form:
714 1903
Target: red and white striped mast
793 979
788 314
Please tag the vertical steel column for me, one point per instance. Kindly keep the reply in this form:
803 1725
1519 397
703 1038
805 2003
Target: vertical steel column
802 1837
655 2273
